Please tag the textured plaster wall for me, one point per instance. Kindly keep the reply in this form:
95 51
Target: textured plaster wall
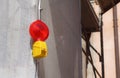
15 52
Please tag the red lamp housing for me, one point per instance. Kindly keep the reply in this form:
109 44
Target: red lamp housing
39 30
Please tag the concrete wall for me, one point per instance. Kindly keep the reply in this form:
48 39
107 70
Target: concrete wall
64 43
15 52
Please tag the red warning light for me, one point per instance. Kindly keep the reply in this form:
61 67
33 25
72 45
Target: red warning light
39 30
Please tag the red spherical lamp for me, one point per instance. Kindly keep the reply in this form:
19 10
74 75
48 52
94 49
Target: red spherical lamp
39 30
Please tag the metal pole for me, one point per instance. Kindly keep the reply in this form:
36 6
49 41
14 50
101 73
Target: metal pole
116 41
102 46
39 9
37 63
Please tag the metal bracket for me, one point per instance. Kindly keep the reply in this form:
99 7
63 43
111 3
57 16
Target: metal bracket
39 9
87 52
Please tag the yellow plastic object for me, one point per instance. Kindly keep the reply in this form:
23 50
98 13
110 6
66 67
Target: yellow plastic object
39 49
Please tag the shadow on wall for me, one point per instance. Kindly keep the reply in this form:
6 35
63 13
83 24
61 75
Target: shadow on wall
66 25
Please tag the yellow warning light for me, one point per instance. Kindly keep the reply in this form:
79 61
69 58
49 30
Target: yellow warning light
39 49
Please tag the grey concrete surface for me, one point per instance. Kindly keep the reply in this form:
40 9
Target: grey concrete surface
64 58
15 52
64 43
